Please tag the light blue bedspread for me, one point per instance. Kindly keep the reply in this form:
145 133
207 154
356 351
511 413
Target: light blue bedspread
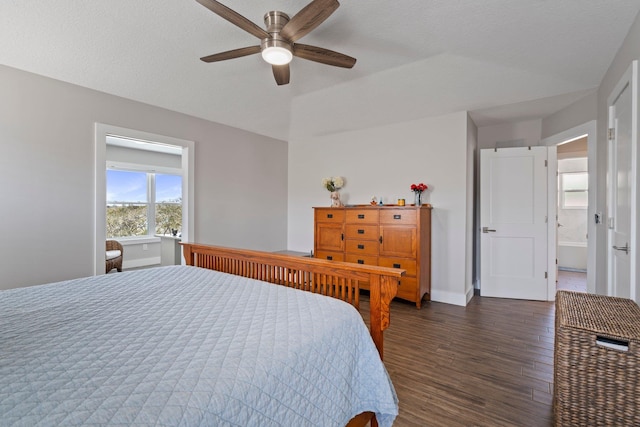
185 346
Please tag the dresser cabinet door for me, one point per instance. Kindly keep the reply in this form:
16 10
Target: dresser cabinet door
398 241
329 237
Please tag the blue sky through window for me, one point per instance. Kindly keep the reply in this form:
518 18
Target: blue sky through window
125 186
168 188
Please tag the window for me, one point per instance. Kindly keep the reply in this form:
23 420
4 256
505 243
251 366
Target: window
574 190
141 203
168 209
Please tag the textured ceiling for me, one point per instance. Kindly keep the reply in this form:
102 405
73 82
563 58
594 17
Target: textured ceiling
500 59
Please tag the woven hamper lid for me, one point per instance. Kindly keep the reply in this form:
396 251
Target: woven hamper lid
618 317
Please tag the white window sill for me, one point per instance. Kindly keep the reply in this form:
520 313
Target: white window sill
136 240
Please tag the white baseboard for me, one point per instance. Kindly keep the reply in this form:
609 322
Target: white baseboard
454 298
141 262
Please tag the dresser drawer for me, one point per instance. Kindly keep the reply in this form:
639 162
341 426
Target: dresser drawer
329 215
398 216
362 216
406 264
361 232
362 259
366 247
408 288
330 256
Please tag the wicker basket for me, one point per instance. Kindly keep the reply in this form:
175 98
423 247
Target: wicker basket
596 361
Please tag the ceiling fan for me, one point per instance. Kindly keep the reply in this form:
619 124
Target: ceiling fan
278 43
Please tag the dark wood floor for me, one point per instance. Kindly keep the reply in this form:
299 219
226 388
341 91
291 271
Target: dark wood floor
487 364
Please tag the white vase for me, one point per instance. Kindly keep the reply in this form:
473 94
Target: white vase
335 199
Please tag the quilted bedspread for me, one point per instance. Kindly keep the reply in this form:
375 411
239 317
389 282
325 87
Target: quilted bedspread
185 346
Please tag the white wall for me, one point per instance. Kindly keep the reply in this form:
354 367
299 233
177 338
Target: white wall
383 162
578 113
46 177
518 134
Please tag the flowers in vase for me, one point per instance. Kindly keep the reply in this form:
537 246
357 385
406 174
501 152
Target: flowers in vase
333 183
419 188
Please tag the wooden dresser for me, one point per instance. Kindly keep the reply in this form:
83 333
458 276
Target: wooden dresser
389 236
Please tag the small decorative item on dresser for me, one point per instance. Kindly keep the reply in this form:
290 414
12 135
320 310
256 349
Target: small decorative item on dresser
400 202
418 189
333 184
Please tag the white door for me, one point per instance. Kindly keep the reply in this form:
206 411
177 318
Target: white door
621 189
513 209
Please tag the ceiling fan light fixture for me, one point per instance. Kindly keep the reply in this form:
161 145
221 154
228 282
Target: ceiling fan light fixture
276 52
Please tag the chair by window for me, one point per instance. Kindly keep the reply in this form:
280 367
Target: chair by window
114 254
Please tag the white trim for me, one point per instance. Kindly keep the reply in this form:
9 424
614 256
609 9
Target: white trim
455 298
629 78
188 186
589 129
136 240
552 211
140 262
137 167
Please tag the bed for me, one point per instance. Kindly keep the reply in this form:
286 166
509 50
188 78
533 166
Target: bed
210 343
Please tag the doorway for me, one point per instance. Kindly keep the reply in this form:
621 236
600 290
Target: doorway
572 221
586 131
104 133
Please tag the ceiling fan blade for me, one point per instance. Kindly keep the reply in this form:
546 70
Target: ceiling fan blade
324 56
281 73
230 54
234 17
308 18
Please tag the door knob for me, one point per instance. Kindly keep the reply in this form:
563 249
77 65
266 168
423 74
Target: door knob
487 230
624 248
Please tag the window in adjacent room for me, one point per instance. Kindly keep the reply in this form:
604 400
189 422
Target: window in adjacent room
574 190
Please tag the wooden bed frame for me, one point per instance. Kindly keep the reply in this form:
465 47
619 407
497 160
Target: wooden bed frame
332 278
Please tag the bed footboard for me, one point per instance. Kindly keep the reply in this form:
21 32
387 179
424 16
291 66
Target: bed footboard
332 278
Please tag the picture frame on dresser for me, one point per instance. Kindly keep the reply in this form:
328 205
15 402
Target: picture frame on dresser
384 235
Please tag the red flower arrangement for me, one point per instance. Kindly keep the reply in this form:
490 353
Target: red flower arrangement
419 188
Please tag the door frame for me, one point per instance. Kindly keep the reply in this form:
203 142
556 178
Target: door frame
630 78
100 183
590 130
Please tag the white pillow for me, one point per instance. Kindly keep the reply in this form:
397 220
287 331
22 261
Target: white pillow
113 254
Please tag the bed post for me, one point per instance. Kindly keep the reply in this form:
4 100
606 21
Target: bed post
382 291
188 254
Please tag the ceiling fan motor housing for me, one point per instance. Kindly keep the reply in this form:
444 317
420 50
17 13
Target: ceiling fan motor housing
275 49
275 20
